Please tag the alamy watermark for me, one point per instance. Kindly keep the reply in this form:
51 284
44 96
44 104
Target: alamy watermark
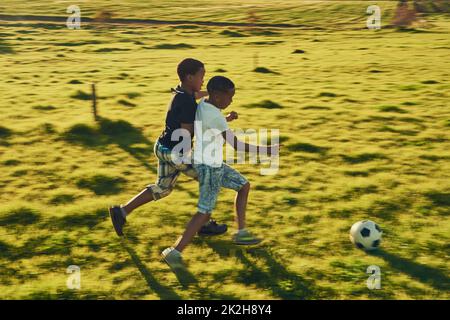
74 20
374 21
74 279
374 280
209 147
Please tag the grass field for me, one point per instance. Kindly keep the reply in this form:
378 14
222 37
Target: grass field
363 115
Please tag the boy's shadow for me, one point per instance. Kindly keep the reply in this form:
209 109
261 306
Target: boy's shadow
163 292
425 274
129 139
184 277
120 133
283 283
106 132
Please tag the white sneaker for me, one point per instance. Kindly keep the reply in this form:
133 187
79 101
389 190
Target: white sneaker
173 258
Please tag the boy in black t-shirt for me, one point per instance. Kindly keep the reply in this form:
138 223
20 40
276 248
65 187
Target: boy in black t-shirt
180 115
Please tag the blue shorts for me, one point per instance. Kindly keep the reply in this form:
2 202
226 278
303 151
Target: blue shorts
211 179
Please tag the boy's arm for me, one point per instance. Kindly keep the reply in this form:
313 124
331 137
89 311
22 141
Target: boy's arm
200 94
231 138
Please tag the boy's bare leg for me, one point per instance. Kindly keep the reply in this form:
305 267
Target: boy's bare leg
243 237
241 205
143 197
197 221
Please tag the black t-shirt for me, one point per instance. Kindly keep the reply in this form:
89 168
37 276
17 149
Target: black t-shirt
182 109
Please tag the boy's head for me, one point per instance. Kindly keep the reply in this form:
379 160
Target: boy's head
191 73
221 91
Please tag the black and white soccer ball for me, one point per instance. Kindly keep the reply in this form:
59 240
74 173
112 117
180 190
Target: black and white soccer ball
366 235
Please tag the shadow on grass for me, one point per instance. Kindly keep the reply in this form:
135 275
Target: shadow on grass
208 294
233 34
61 199
388 209
121 133
412 30
173 46
264 70
6 250
128 138
12 274
266 104
280 281
390 108
107 132
428 275
48 26
327 95
163 292
78 220
21 216
402 132
5 134
54 242
68 294
307 147
103 50
5 48
101 184
363 157
440 199
316 108
38 246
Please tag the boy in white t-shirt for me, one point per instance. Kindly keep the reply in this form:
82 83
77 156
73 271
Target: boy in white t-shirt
211 130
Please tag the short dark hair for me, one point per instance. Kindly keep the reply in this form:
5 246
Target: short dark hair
188 66
219 83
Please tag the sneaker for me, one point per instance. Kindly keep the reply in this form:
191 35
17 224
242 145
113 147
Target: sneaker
245 238
173 258
117 219
211 228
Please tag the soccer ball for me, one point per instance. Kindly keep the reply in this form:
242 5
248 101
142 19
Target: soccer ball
366 235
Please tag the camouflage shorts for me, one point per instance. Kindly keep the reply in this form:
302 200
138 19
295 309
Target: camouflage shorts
211 180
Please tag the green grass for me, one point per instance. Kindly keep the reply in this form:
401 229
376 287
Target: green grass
363 120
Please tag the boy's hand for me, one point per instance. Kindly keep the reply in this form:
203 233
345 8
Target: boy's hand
232 116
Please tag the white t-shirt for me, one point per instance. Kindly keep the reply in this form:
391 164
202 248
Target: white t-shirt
209 125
